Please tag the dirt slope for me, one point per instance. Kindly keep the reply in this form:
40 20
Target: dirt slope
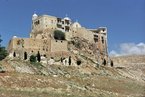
23 79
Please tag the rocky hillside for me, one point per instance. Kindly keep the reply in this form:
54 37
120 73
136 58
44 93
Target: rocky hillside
24 79
134 65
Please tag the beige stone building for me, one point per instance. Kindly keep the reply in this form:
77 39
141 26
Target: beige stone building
42 37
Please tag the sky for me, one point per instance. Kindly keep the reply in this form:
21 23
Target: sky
124 19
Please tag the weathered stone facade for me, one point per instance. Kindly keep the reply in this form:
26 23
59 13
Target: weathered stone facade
42 38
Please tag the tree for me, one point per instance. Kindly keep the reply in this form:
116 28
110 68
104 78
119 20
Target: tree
32 58
104 62
25 55
0 40
69 61
79 62
3 51
112 63
14 54
59 35
38 57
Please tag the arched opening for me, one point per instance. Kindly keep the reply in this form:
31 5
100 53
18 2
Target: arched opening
25 55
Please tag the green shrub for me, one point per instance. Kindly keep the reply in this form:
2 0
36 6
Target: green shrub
37 65
79 62
2 70
3 51
59 35
112 63
32 58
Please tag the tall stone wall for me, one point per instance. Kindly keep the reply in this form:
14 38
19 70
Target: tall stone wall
42 23
29 45
59 45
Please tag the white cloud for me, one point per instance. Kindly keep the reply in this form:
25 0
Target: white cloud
129 49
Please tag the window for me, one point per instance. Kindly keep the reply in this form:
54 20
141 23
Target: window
62 22
67 22
37 22
96 38
67 28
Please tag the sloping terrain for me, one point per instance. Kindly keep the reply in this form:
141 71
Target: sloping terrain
132 66
23 79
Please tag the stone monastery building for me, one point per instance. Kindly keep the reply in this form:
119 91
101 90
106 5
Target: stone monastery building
42 37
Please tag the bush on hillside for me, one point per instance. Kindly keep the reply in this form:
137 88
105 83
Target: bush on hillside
59 35
3 51
32 58
79 62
